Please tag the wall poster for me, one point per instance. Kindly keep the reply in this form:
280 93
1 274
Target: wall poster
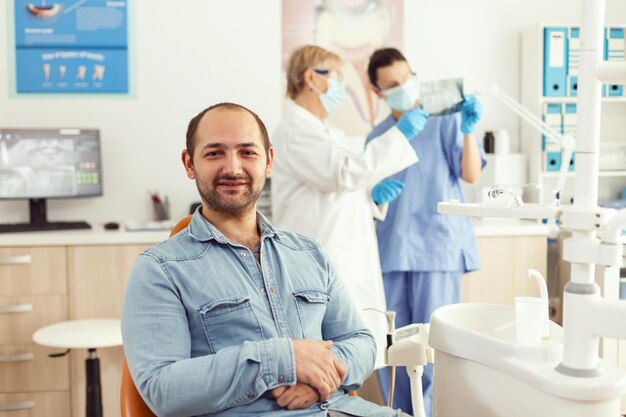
71 46
353 29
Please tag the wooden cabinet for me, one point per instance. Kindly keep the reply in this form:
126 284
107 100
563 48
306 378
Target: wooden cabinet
48 278
97 279
33 293
504 273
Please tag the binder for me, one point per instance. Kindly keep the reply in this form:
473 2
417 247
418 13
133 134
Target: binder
569 119
552 161
569 126
553 116
554 61
573 61
614 51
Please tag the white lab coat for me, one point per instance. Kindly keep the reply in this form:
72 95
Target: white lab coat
321 185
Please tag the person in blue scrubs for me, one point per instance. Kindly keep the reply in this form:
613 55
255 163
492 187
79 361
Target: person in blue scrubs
424 255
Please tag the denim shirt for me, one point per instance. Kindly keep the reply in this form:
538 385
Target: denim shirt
207 333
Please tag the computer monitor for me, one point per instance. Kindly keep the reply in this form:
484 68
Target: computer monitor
38 164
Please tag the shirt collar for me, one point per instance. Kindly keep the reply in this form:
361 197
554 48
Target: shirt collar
202 230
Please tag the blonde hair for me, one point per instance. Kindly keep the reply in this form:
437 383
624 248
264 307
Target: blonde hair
307 56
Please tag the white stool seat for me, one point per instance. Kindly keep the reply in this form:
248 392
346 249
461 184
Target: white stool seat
81 334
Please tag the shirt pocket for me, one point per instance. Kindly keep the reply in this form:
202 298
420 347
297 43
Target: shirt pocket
230 322
311 306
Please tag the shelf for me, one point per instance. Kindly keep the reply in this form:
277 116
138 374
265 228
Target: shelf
555 174
527 211
544 99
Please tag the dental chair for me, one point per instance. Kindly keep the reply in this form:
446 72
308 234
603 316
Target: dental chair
130 401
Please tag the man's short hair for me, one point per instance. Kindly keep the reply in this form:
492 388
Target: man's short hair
193 125
382 58
303 58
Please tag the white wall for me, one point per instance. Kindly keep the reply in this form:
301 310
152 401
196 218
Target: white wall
189 54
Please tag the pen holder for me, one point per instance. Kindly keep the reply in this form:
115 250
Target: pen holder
161 211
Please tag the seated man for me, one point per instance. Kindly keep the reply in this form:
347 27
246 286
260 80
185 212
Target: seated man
231 317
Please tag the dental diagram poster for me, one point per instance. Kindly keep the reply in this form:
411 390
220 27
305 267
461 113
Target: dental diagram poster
71 46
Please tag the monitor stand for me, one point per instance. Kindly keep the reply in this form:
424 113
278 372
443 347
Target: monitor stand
39 221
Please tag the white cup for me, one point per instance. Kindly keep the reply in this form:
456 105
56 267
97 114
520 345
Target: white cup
529 319
502 142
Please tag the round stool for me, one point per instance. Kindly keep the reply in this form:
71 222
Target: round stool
84 334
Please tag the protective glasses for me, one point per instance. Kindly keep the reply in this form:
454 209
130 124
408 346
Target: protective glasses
329 73
411 78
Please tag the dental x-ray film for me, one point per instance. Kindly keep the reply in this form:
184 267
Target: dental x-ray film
441 96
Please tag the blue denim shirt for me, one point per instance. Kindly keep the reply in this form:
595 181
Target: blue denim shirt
207 333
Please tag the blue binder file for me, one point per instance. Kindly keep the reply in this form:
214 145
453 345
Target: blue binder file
570 119
553 116
614 51
573 61
553 161
554 62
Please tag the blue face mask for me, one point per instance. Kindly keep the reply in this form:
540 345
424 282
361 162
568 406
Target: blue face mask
334 95
403 97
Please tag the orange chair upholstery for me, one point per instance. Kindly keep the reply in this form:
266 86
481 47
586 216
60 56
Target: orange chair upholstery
131 403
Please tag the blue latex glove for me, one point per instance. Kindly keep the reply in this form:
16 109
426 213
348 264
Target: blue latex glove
471 110
412 122
387 191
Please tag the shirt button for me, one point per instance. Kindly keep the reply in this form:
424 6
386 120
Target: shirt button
243 254
281 379
283 324
250 394
272 289
262 290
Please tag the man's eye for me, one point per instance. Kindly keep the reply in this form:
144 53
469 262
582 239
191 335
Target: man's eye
248 153
212 154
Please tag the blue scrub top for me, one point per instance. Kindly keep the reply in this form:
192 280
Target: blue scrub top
413 236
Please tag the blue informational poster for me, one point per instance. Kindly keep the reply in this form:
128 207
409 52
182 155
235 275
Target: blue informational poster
71 46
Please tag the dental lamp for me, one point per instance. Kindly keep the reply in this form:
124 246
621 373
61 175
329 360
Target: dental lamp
565 142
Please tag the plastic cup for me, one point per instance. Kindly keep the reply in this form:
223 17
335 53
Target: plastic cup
529 319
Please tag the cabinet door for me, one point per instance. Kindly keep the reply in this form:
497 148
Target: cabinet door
97 277
21 316
26 368
504 273
33 271
38 404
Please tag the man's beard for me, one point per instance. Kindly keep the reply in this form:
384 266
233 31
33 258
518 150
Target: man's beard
230 204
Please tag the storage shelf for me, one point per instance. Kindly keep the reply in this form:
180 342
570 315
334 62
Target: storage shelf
545 99
555 174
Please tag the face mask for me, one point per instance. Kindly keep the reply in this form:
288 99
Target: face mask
334 95
403 97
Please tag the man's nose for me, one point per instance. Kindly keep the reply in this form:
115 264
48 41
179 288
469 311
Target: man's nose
232 165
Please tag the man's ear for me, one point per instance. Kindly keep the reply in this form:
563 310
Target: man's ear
270 161
188 163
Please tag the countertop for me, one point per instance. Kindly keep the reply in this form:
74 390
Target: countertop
99 236
96 236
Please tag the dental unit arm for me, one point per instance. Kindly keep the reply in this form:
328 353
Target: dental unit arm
410 348
407 346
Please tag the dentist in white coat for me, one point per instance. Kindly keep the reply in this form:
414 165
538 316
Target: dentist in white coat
325 187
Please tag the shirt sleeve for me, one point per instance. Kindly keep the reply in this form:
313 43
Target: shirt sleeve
157 344
353 342
325 163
